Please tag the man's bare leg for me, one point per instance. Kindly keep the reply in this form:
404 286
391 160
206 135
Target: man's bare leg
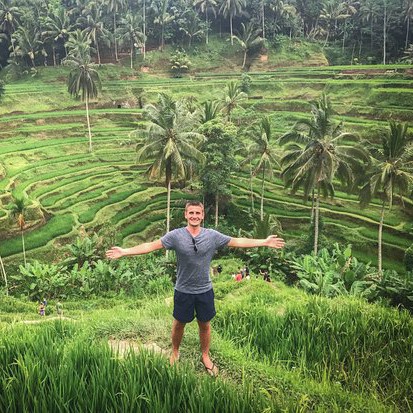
177 334
205 340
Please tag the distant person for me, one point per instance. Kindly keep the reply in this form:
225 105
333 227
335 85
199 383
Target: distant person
238 277
42 309
195 247
266 276
219 268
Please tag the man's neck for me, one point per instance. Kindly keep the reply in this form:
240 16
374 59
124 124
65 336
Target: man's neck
194 231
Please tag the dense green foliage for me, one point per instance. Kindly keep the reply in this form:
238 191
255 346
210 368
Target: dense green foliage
350 32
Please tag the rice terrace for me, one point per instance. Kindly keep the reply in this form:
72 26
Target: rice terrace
291 118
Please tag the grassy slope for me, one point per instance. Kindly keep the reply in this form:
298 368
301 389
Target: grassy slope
43 148
288 384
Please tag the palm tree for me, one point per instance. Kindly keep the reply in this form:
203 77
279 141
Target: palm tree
391 173
160 8
408 10
18 209
83 80
205 6
192 26
232 8
9 18
249 39
333 11
315 156
79 45
58 28
210 110
94 27
170 143
28 42
369 12
267 158
232 97
114 6
130 32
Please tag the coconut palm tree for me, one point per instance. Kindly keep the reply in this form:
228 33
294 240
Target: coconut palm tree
249 39
391 173
171 143
27 39
316 155
93 25
262 151
9 19
115 6
206 6
369 10
231 98
79 45
408 11
232 8
83 81
130 32
58 27
18 209
160 9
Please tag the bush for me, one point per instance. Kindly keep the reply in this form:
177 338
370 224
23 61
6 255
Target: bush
179 64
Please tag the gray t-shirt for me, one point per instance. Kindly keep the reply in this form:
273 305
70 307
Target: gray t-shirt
193 266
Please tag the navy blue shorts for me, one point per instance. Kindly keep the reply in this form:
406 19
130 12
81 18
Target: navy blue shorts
186 306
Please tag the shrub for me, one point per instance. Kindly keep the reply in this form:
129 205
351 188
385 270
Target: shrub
179 64
37 281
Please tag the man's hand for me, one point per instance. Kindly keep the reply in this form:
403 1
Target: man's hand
115 253
274 242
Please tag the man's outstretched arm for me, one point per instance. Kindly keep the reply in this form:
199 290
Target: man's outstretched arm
272 242
117 252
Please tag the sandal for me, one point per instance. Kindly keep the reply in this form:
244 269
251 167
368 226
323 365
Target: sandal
212 371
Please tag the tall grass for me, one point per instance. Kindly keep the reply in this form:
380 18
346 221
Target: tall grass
364 348
52 368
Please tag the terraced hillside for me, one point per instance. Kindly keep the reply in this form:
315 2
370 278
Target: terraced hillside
43 153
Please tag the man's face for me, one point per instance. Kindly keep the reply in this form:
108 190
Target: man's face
194 215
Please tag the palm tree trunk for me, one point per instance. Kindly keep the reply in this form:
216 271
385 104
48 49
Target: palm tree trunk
230 26
263 18
88 124
114 36
168 204
131 54
251 189
380 242
24 249
97 49
4 275
262 194
144 29
384 32
54 55
216 210
406 43
245 58
206 24
312 207
316 221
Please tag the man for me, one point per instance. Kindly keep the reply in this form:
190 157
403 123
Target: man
195 247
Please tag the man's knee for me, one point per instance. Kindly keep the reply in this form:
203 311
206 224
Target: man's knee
204 325
178 325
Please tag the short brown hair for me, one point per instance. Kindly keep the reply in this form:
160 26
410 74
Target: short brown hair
194 203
